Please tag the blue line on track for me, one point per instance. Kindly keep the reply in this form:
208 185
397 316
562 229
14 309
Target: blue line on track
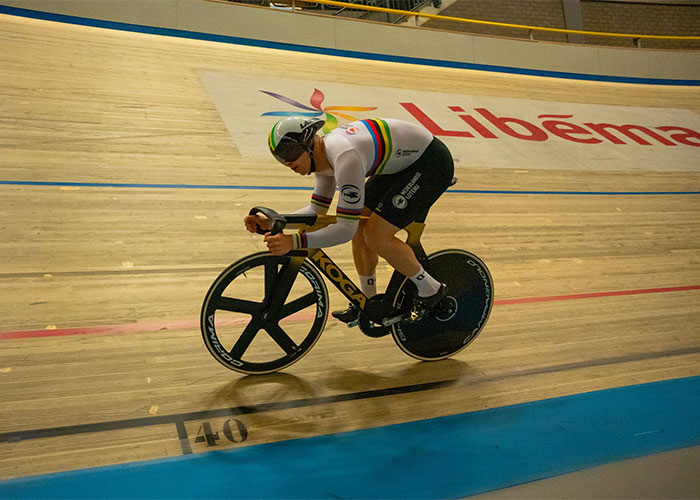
589 193
445 457
150 186
304 188
15 11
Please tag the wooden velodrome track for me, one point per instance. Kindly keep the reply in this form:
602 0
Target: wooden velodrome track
101 286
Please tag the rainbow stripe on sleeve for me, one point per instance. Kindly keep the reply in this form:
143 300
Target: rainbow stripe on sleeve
300 240
321 201
348 213
379 130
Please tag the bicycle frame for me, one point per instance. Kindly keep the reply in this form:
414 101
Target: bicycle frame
335 275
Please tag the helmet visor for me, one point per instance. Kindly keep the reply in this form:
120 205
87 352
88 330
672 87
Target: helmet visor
287 151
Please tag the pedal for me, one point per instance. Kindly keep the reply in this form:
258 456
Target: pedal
349 316
415 314
372 329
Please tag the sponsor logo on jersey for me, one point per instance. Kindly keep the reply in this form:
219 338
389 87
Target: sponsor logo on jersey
350 194
399 202
405 152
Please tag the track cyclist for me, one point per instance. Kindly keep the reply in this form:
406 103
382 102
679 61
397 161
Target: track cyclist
407 169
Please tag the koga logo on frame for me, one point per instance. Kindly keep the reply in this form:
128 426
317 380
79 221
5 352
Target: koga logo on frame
337 276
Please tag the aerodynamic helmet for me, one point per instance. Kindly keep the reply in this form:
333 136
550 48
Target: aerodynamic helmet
292 137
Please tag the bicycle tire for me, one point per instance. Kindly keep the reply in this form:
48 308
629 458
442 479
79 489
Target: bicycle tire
246 319
444 334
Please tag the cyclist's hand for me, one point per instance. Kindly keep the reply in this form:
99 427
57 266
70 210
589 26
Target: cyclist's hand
253 221
279 244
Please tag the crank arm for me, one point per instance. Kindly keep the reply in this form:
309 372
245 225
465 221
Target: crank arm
395 319
411 315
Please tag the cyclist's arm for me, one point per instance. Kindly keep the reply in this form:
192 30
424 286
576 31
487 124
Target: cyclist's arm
349 176
320 201
322 196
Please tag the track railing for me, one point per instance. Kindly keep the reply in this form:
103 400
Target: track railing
297 5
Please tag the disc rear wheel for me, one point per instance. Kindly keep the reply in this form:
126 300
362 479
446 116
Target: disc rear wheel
459 318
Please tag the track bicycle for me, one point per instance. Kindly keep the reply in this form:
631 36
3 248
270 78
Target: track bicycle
286 298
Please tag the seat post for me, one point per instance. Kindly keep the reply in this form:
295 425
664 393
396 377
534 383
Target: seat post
414 231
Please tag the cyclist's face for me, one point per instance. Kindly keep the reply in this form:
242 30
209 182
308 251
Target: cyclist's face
301 165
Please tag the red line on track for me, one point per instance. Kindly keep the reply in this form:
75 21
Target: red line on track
187 324
553 298
131 327
88 330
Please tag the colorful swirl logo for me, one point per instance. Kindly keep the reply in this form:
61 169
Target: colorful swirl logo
316 110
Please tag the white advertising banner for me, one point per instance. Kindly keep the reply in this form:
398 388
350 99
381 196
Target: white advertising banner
481 131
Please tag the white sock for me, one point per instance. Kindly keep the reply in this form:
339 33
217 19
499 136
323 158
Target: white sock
368 285
426 284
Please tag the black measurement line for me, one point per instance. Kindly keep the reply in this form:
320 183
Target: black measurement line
179 418
613 360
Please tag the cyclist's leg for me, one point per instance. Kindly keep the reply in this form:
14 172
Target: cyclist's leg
382 235
407 196
380 238
365 259
394 201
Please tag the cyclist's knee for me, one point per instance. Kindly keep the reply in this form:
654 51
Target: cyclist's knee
359 236
371 242
378 234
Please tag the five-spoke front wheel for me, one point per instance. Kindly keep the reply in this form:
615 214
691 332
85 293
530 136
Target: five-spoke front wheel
264 312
